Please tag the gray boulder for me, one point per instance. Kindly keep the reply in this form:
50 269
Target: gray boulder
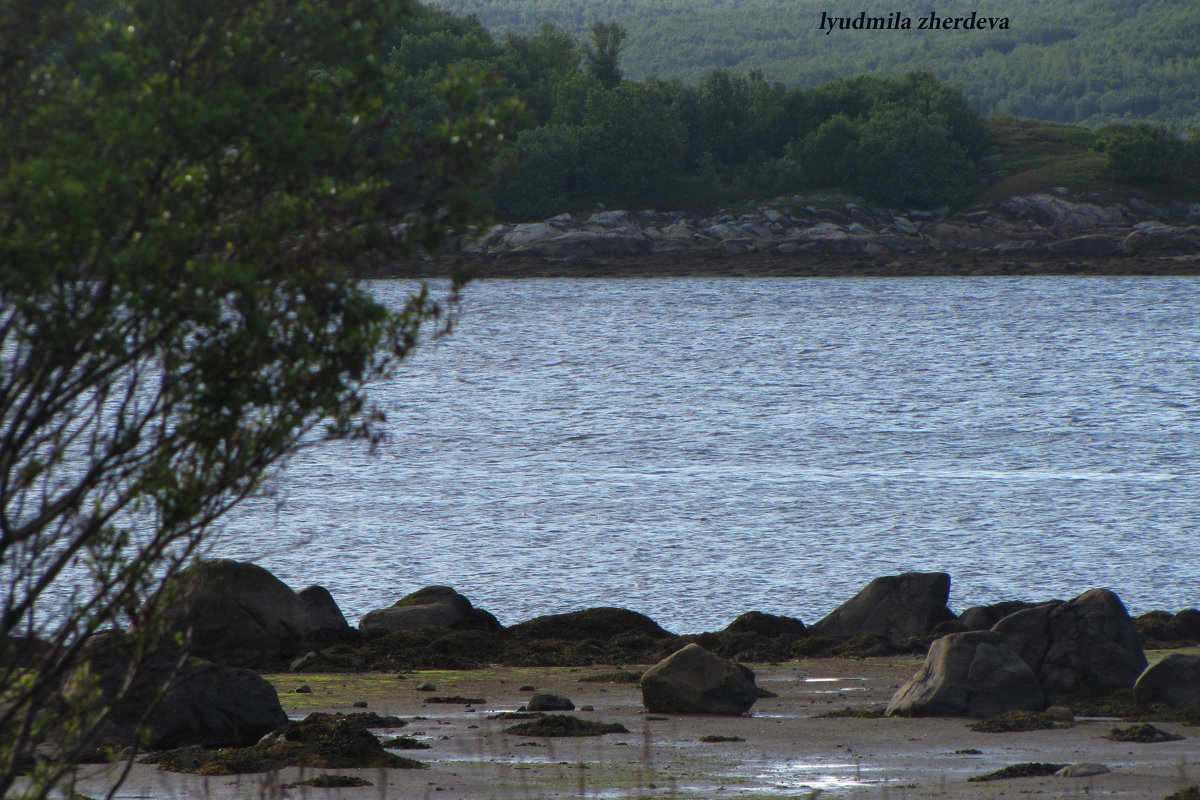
694 681
1085 646
240 614
1173 682
769 625
431 607
323 611
982 618
895 607
972 674
205 704
544 701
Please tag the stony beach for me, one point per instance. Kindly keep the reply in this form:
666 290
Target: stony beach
788 747
1006 697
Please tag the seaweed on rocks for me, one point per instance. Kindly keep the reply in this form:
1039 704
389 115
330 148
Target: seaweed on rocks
564 725
456 699
1015 721
326 741
875 711
331 782
1142 732
1190 793
1023 770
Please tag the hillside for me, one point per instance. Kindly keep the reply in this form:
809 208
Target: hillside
1087 62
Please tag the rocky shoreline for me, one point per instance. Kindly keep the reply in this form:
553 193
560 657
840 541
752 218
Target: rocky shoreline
1019 666
1048 233
241 615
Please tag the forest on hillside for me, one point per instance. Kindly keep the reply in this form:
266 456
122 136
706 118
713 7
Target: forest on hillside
1087 62
595 136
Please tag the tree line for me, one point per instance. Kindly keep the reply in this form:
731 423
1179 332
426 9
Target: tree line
1086 62
599 137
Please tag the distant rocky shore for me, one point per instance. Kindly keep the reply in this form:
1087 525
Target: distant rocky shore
1039 233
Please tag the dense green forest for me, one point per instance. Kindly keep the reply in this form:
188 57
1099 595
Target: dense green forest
596 136
1087 62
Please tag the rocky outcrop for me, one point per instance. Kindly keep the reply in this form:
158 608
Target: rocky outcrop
982 618
1048 224
431 607
240 614
204 704
591 623
768 625
1166 630
694 681
971 674
1085 646
1173 682
895 607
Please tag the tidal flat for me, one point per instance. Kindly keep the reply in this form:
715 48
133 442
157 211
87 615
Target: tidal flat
820 735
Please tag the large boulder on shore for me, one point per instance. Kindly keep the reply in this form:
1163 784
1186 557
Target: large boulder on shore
694 681
1085 646
604 623
972 674
1173 682
895 607
205 704
768 625
982 618
431 607
238 613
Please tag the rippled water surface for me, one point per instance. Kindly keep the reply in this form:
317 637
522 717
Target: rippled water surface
696 448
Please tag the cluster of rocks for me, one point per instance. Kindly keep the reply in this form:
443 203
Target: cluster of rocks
1047 224
986 661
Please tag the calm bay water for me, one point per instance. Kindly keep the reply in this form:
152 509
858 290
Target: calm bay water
695 448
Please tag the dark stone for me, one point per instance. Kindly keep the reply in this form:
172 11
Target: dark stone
1086 646
544 701
206 704
694 681
895 607
972 674
768 625
240 614
431 607
323 611
1185 625
1173 682
982 618
591 623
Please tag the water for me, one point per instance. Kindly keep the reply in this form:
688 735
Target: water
695 448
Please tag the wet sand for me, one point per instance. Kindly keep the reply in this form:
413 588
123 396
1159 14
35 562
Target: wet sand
788 750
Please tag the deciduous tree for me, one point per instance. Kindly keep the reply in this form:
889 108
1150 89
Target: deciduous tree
187 192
